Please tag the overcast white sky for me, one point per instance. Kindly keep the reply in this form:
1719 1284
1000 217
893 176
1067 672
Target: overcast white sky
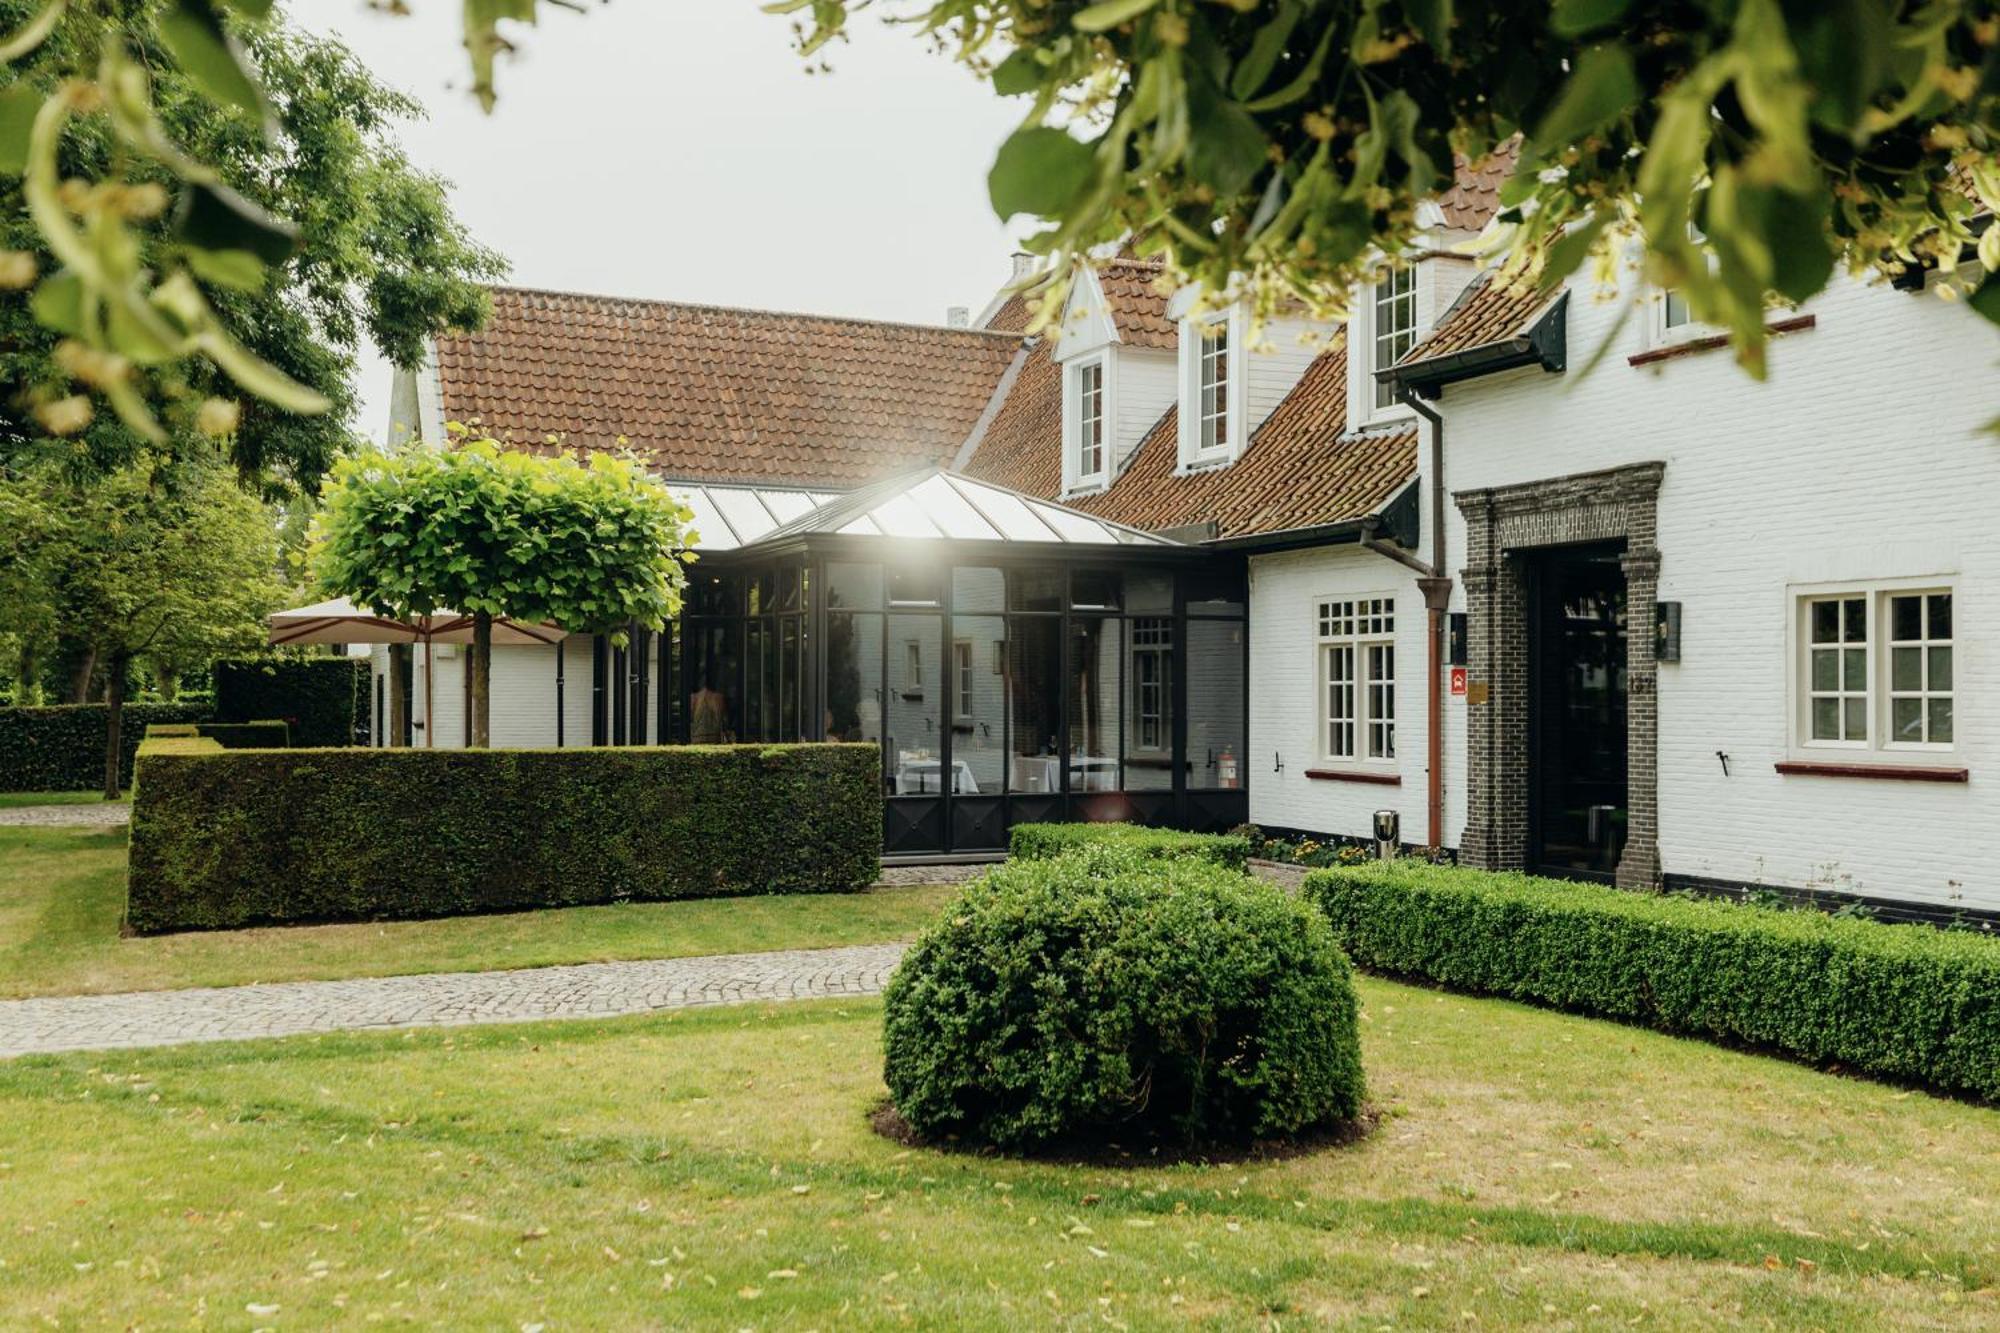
667 148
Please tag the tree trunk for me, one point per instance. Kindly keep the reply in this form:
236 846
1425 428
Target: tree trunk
168 683
79 683
399 694
482 674
114 721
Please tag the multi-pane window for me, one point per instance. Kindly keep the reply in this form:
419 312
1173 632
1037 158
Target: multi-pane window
961 676
1090 420
1919 668
1878 669
1152 658
1393 326
1214 432
1357 678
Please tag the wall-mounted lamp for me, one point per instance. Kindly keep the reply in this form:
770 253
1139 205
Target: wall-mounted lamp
1388 834
1666 631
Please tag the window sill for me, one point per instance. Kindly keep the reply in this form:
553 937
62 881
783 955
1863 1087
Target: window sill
1821 768
1213 463
1355 775
1695 346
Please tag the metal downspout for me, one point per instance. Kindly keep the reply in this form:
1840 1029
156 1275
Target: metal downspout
1436 588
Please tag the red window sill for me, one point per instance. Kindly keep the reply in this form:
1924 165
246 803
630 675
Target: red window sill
1350 775
1815 768
1695 346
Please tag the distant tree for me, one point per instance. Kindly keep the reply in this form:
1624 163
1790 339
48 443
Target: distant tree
185 253
492 533
179 563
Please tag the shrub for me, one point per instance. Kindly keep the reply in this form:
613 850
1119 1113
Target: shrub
267 735
1904 1002
232 837
61 748
1031 842
317 697
1109 991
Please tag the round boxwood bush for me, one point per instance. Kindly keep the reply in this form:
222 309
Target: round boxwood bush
1103 995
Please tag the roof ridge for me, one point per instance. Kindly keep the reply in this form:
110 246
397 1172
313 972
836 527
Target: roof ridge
750 310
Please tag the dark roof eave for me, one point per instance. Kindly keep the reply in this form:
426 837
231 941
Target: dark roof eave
1339 532
1543 343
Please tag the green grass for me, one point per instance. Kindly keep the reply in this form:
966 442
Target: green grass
715 1169
62 896
15 800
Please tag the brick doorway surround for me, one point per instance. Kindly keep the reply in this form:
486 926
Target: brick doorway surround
1501 524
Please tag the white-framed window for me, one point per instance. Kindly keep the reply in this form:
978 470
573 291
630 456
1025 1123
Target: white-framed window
1152 684
1213 420
1672 321
1090 424
1356 676
913 669
1875 669
1392 329
961 677
1212 404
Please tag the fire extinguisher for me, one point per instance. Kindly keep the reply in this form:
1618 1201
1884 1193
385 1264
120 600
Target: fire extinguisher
1225 768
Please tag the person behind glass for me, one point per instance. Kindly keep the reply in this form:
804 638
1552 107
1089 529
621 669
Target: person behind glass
708 716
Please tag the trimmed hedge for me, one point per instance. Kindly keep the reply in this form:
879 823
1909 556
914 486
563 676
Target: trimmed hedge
318 697
232 837
231 735
61 748
1111 990
1031 842
1901 1002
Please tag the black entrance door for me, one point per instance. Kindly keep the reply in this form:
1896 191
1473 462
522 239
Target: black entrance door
1576 711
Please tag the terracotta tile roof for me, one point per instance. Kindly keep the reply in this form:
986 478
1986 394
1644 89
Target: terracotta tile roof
1474 196
1297 472
1489 310
716 394
1138 302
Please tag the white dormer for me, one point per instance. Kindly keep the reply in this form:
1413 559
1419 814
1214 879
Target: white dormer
1388 320
1114 386
1229 382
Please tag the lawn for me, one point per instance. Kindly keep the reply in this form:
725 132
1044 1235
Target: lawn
62 896
15 800
715 1169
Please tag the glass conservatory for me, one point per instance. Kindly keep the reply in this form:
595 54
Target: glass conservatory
1014 660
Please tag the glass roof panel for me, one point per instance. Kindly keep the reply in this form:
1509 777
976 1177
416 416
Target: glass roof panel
1075 527
788 505
904 516
712 532
1017 523
861 527
744 512
949 510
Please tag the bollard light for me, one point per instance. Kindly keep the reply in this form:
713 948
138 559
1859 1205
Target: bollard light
1388 834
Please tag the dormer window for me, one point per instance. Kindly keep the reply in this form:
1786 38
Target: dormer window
1087 419
1392 328
1212 425
1214 387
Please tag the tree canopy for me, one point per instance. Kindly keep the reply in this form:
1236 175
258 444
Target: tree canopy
141 195
1283 148
494 533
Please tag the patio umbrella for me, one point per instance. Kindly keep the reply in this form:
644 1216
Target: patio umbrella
341 621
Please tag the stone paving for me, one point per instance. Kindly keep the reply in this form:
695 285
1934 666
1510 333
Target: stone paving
444 999
84 814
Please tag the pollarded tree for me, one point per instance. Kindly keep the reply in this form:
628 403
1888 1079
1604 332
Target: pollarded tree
491 533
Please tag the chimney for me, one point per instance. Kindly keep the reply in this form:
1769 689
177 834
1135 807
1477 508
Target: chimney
1024 264
958 317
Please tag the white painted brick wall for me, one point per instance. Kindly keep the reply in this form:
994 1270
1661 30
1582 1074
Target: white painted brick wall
1860 458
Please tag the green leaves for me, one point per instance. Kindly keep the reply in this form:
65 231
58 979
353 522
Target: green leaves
1039 170
1986 298
231 240
1602 87
19 105
1019 73
1107 14
1577 18
1225 143
193 34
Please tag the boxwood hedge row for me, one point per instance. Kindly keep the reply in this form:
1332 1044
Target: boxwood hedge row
1034 842
1901 1002
318 697
61 748
233 837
